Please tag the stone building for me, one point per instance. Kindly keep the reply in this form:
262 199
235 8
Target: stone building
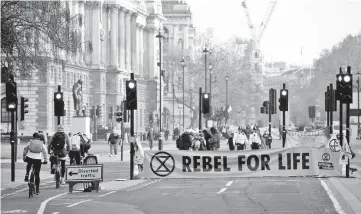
179 35
123 36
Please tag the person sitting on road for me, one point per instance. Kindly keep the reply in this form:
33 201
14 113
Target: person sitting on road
207 137
34 152
60 146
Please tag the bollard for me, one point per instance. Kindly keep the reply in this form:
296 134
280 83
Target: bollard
131 160
160 145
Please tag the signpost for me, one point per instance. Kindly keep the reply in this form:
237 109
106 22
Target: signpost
83 174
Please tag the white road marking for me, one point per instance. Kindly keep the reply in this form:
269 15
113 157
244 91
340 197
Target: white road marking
337 205
106 194
55 212
72 205
43 204
222 190
143 185
14 211
229 183
22 190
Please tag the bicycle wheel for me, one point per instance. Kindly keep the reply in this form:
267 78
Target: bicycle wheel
57 178
30 190
31 185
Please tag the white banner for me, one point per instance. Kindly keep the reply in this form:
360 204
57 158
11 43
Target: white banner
296 161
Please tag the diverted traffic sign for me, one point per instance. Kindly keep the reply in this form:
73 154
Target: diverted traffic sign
84 173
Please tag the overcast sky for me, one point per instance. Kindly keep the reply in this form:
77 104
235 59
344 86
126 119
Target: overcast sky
313 25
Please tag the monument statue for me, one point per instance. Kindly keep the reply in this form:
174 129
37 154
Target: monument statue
77 96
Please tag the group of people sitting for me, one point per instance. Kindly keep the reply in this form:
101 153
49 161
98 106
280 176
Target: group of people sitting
203 140
60 145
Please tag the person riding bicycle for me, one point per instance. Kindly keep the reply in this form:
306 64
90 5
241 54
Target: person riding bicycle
60 146
34 152
74 153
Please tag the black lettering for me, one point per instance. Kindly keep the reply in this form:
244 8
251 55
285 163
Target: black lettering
289 162
207 166
280 164
264 162
241 161
217 163
196 163
186 162
225 168
305 160
296 160
256 160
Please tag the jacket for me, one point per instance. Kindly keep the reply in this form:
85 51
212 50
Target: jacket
255 138
240 138
64 152
38 156
113 138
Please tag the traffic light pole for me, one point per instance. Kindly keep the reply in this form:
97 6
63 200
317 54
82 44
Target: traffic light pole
284 123
328 92
13 154
331 97
16 134
348 137
132 139
200 109
269 122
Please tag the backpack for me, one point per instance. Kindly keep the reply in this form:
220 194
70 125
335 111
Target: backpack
36 146
75 143
58 141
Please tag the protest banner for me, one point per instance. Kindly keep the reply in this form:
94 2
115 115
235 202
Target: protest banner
296 161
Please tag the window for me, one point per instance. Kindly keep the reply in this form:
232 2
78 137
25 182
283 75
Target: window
5 115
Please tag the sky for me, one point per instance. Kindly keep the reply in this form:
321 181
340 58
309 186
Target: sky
295 25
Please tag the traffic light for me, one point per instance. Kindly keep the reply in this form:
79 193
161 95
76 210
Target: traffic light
23 108
11 96
347 87
312 112
273 100
92 112
265 108
205 103
339 86
111 112
283 100
131 90
98 111
58 104
119 116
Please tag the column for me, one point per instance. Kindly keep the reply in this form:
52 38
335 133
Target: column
105 37
127 41
186 36
152 53
137 48
96 35
82 33
134 42
114 37
141 51
121 33
76 26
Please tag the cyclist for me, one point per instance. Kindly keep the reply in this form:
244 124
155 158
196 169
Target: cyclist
74 153
60 146
33 153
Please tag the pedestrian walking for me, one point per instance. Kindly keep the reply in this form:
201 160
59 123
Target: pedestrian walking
113 141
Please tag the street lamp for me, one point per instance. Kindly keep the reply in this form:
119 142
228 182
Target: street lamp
226 99
160 37
358 104
205 51
210 67
183 63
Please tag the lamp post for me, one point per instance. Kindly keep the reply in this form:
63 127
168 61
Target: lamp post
160 37
183 63
358 103
210 67
226 100
205 51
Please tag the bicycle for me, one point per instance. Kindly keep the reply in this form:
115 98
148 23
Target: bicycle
57 171
31 183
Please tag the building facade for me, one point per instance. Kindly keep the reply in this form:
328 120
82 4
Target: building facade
123 36
179 35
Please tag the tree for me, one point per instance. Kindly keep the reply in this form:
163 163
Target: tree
32 31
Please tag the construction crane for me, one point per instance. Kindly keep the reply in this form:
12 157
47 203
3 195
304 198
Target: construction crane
257 34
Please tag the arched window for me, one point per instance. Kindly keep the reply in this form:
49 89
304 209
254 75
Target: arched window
5 115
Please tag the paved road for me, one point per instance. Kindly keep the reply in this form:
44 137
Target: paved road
254 195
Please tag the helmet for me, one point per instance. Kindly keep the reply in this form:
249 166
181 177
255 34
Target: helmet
60 128
36 136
